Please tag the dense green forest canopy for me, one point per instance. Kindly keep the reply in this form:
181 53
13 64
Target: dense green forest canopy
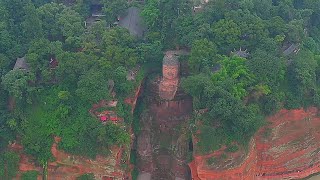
248 59
68 68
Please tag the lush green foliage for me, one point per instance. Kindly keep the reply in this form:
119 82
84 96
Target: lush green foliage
30 175
54 99
16 83
238 92
70 69
9 164
86 177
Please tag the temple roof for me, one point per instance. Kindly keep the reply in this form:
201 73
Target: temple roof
21 63
133 22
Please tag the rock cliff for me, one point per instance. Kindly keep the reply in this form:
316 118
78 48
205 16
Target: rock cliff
69 167
287 148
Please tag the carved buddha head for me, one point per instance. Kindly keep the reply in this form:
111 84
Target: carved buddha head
170 67
170 72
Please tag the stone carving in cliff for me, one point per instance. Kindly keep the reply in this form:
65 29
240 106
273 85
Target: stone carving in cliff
170 72
287 148
160 125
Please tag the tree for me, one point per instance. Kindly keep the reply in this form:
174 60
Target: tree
16 17
202 56
195 86
165 16
277 26
4 64
39 125
151 52
315 6
49 15
71 23
122 86
9 165
296 31
30 175
83 7
112 134
6 39
226 34
118 47
235 69
302 74
93 87
41 51
251 26
86 177
286 10
73 65
32 25
114 8
16 83
186 30
263 8
238 121
268 68
151 13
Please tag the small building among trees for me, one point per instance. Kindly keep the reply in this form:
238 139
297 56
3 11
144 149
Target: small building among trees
21 63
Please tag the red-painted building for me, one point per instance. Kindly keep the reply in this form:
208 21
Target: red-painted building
109 116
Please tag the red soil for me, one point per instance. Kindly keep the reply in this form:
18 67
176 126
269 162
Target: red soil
287 148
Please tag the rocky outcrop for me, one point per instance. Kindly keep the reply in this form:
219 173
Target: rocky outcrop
68 167
286 148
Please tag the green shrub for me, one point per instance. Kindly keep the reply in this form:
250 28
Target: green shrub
86 177
232 148
211 161
30 175
9 164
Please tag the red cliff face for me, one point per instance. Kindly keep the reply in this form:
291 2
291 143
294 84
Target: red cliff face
69 167
287 148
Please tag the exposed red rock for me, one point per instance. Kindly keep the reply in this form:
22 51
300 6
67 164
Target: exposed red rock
132 101
69 167
286 148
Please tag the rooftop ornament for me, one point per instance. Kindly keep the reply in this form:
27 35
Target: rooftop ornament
241 53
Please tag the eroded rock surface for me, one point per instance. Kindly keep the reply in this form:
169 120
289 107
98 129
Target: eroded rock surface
287 148
69 167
